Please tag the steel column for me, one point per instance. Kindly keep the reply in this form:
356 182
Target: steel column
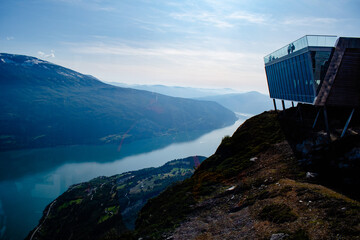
347 123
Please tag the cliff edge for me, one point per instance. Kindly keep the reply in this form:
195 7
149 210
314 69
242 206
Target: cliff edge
258 185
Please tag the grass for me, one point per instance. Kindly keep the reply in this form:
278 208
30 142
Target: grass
274 200
67 204
277 213
110 211
163 213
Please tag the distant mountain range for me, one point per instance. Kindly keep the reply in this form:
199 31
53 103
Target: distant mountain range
43 105
248 102
177 91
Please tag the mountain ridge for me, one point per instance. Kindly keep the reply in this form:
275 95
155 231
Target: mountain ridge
48 105
249 103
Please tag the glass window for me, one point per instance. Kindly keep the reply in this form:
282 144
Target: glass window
278 79
273 81
304 78
303 75
283 77
283 90
292 79
308 72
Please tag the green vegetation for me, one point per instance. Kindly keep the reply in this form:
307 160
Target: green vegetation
67 204
109 212
277 213
110 204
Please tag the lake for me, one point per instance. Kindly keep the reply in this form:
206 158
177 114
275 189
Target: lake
31 179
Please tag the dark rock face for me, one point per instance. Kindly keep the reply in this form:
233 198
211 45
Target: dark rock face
46 105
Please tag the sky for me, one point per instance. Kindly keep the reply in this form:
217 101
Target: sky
202 43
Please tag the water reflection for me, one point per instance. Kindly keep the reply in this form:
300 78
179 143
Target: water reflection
31 179
16 164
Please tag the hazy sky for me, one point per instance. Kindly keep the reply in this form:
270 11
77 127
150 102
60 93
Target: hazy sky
202 43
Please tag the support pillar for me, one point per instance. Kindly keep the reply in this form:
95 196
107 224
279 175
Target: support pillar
274 105
283 104
316 118
292 103
326 122
347 123
299 111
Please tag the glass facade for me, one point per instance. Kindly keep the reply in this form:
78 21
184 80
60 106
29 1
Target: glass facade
320 63
291 79
297 75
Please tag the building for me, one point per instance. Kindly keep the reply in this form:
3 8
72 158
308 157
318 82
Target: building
318 70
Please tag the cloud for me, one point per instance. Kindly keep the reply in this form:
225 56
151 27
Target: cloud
173 51
309 21
249 17
203 17
9 38
176 64
43 55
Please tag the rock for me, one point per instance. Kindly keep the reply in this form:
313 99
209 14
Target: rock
279 236
311 175
253 159
321 138
304 147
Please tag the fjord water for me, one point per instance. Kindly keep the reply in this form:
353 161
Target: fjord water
31 179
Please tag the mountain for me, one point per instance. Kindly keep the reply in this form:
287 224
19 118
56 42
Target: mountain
250 102
275 178
46 105
177 91
106 207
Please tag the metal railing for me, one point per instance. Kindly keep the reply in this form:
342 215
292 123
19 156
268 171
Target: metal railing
301 43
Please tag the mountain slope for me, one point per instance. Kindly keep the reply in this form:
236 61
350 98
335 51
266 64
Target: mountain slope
250 102
44 104
254 188
106 207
